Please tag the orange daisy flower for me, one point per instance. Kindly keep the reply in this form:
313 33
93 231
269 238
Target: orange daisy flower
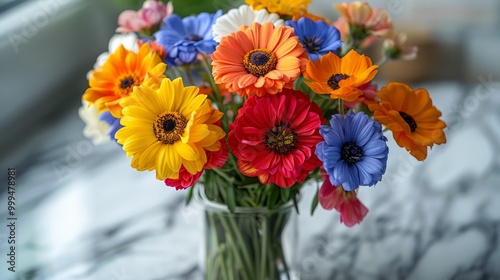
259 59
117 77
411 117
340 77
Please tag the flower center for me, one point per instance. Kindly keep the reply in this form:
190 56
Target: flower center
169 126
333 81
259 62
351 152
312 44
194 37
126 84
409 120
281 139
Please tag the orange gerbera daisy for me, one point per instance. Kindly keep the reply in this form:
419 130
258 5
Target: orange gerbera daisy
117 77
259 59
340 77
411 117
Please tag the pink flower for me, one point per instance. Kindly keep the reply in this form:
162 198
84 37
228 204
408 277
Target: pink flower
149 16
214 160
184 181
395 48
368 96
359 22
351 210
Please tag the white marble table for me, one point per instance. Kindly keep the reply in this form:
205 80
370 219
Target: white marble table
83 213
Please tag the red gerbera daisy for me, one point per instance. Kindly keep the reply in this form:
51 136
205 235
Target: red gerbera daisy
274 137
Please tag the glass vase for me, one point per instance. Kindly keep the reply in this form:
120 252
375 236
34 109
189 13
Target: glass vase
250 243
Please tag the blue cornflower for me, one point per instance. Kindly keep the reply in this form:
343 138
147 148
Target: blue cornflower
354 152
317 37
184 38
113 122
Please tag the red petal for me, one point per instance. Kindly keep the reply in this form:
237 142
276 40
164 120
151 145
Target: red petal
329 197
353 212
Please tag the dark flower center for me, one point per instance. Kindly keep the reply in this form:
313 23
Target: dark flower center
127 82
194 37
281 139
409 120
351 152
333 81
259 62
312 44
169 126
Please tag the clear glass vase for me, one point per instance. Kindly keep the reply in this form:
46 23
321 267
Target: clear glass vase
249 244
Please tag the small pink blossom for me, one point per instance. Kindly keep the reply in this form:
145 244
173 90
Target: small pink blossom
184 181
149 16
214 160
358 21
395 48
351 210
368 96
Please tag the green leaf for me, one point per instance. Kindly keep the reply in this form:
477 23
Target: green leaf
189 195
314 202
231 198
285 194
273 196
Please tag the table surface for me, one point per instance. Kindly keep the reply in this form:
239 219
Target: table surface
83 213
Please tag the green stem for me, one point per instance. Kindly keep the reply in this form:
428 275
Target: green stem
209 268
230 180
246 262
263 251
382 61
187 71
340 106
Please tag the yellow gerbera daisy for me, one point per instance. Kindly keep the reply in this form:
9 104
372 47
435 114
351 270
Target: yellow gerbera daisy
340 77
282 7
117 77
411 117
169 128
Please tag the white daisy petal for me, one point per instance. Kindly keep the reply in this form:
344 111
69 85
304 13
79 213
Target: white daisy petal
95 129
244 15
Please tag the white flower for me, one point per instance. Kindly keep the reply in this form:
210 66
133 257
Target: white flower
244 15
95 129
128 40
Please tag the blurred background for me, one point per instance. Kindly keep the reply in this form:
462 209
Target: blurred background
48 46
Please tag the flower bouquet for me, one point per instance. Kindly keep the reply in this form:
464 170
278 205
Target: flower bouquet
255 102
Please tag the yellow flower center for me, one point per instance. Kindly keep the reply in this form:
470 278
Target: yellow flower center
126 83
333 81
259 62
169 126
281 139
409 120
